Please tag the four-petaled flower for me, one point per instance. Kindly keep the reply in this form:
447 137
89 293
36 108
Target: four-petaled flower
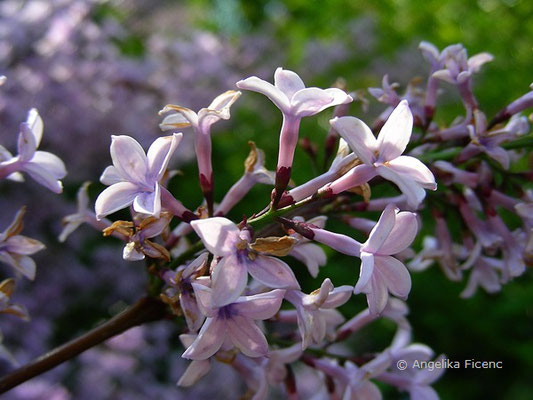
295 101
233 323
224 239
383 156
380 273
134 176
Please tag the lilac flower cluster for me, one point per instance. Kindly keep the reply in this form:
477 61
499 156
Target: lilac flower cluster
236 295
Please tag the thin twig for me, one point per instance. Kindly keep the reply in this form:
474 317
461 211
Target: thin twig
147 309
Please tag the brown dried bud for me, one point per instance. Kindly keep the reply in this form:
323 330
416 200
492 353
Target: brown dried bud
276 246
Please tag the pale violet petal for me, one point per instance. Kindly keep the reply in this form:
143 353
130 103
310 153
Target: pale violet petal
444 75
410 188
110 176
272 272
396 132
196 370
311 101
35 123
402 235
229 279
365 273
51 163
43 176
337 241
218 234
500 155
114 198
338 296
174 121
377 295
312 255
204 297
476 61
26 145
273 93
209 340
129 158
260 306
247 336
224 101
160 152
23 264
394 275
358 136
22 245
415 169
381 231
288 82
148 202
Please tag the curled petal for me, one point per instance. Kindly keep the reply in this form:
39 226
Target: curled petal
209 340
395 134
174 121
114 198
338 296
224 101
183 118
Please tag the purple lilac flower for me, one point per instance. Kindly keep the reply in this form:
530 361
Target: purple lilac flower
224 239
234 322
382 156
